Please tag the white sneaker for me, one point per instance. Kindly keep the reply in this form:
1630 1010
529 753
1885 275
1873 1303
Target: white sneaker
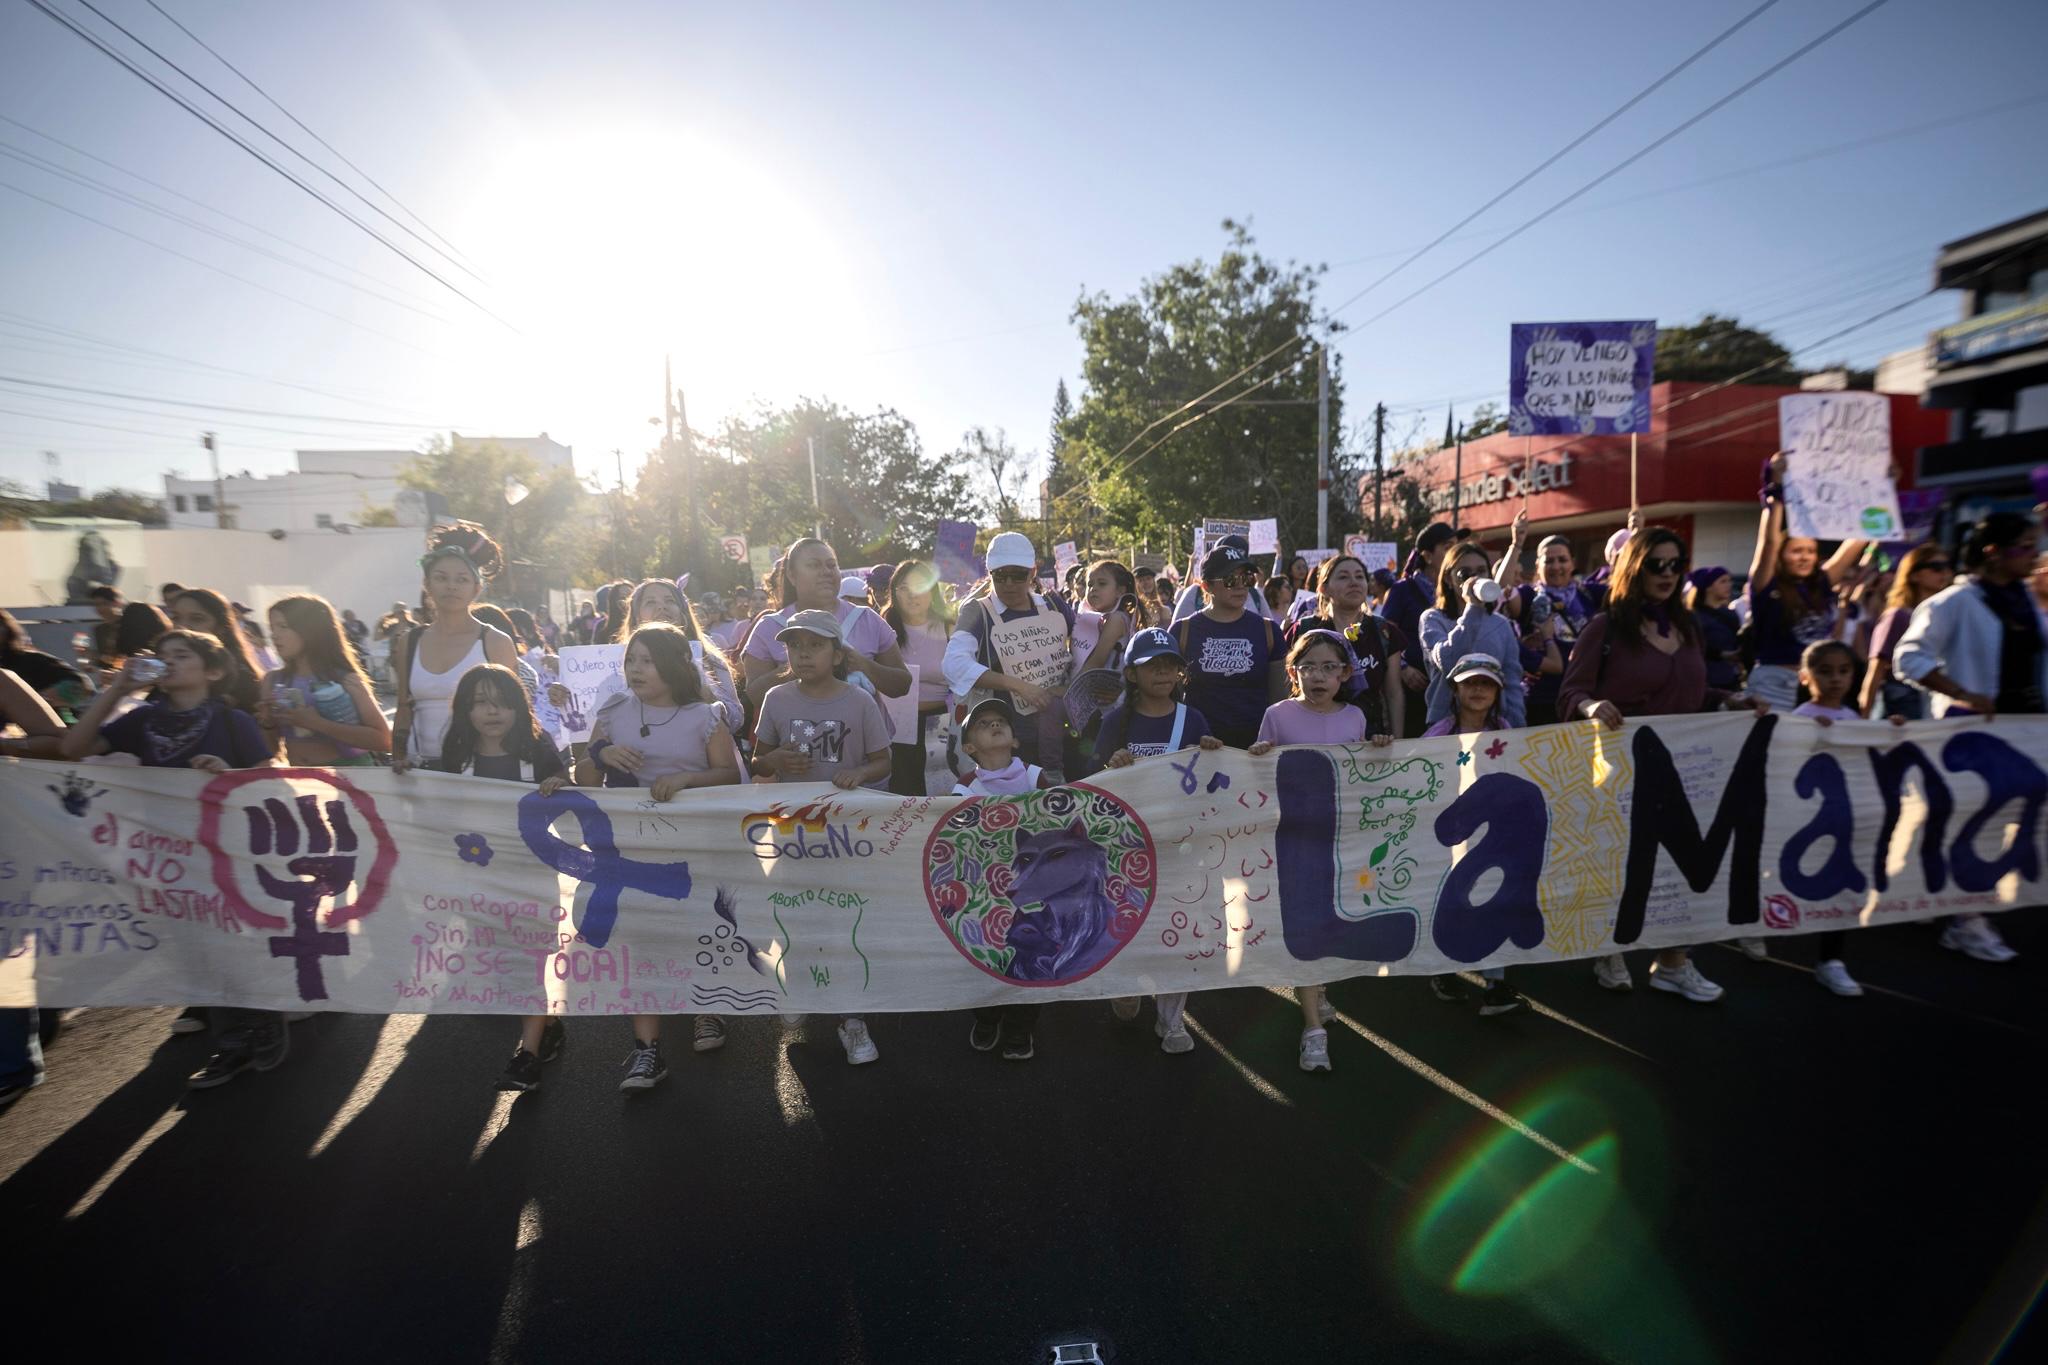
1612 973
1176 1039
1315 1050
860 1049
1125 1008
1685 981
1836 978
1753 949
792 1020
1973 934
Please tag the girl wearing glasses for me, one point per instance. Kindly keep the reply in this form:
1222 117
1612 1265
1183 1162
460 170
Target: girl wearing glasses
1925 571
1467 619
1791 595
1642 657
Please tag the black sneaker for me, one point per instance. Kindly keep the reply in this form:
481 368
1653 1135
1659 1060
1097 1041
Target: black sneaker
522 1073
644 1067
984 1036
1500 998
240 1048
553 1036
11 1092
1447 987
193 1020
1017 1045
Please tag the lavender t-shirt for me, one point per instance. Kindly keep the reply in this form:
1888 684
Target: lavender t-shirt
1291 722
859 626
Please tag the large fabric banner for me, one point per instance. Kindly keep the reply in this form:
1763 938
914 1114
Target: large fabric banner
368 891
1580 378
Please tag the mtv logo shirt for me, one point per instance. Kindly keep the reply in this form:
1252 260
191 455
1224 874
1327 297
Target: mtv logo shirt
841 730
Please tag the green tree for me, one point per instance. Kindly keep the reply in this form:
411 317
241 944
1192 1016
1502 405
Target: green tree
549 527
1486 419
1182 333
990 454
1717 348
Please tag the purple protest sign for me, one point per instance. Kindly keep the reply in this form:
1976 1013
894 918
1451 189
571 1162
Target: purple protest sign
1580 378
953 553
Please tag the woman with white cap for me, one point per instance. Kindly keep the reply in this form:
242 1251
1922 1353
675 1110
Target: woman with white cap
811 581
1017 642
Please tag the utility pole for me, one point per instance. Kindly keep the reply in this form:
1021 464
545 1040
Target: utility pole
1458 478
1322 446
817 512
689 450
220 497
1379 464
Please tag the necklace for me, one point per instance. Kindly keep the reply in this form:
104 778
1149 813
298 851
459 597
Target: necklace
645 728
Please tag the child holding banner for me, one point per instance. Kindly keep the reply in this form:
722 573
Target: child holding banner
1234 669
1318 667
492 733
662 732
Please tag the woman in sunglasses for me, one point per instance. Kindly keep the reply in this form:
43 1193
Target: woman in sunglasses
1791 595
1925 571
1642 656
1467 619
1235 667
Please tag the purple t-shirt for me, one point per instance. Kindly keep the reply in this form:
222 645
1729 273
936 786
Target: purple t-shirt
1291 722
859 626
1146 736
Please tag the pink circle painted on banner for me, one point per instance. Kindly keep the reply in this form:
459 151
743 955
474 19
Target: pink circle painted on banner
1080 853
214 798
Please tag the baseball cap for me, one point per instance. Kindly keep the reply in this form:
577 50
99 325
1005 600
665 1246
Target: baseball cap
811 621
986 707
853 585
1479 666
1012 550
1149 644
1223 561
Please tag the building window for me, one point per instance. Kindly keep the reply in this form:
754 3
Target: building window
178 501
324 520
202 502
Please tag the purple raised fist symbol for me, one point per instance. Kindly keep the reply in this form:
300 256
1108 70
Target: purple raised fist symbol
306 852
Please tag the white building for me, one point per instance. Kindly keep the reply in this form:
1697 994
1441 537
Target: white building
330 489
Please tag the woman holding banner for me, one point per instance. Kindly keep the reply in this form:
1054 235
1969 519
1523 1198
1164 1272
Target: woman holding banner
1791 595
1642 657
429 661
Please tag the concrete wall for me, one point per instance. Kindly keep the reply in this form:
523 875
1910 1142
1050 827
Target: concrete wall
281 502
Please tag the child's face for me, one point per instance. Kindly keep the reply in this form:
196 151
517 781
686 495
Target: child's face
1103 590
990 742
284 637
1157 678
1476 696
661 604
184 669
1318 673
642 676
491 714
1830 678
811 657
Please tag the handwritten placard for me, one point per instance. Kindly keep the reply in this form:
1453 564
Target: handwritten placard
1215 528
1374 554
1064 557
1265 536
1580 378
1838 457
586 669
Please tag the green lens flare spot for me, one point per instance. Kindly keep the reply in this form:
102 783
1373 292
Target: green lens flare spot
1543 1228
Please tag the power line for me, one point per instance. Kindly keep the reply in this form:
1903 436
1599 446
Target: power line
189 107
208 265
452 252
1600 179
186 403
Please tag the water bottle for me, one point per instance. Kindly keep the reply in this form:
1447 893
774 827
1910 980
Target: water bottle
1486 591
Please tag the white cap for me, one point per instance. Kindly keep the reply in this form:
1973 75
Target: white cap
853 585
1011 550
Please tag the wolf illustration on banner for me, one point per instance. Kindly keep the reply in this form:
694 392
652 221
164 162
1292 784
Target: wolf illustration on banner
1064 871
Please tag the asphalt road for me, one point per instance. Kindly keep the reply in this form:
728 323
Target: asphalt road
1781 1175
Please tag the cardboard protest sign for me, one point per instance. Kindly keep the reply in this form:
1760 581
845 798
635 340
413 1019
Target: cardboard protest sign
953 553
1064 557
1374 554
585 670
1838 459
1215 528
123 885
1580 378
1265 536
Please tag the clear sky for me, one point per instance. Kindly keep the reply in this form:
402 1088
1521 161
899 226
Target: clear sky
898 204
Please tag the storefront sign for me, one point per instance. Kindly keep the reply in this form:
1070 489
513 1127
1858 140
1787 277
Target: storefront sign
1515 481
1580 378
1993 334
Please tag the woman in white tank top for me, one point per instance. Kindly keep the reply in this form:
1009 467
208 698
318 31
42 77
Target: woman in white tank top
461 559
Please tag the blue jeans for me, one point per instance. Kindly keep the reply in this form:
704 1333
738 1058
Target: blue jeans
21 1050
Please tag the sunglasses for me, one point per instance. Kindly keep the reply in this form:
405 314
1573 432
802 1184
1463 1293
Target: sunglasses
1237 580
1671 565
1010 576
1940 565
1467 573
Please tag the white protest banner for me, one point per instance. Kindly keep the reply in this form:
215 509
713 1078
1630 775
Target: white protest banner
1838 459
1374 554
122 885
1315 557
1064 557
585 671
1265 536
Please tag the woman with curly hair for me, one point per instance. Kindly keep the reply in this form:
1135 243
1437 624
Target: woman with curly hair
430 660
